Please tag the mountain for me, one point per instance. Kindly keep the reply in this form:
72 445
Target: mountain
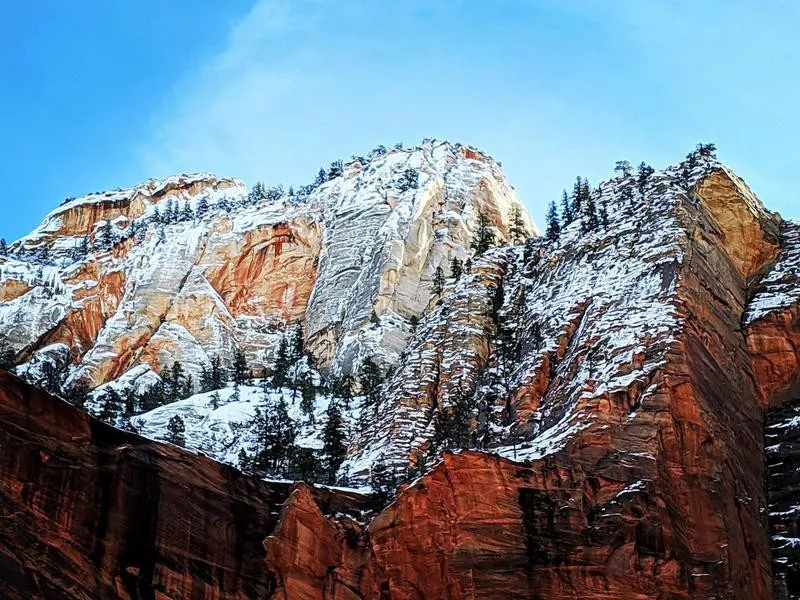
610 399
351 258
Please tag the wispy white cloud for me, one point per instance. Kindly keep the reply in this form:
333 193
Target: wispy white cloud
221 117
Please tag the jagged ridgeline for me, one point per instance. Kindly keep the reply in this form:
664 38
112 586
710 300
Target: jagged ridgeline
395 307
275 305
403 304
399 305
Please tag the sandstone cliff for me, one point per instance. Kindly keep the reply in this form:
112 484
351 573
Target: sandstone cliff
619 377
89 511
352 258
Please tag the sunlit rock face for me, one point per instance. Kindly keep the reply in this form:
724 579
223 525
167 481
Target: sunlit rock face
773 338
620 376
101 513
352 259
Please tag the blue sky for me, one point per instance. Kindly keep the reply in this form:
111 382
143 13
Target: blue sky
100 94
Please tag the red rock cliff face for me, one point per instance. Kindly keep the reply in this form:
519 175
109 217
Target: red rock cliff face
653 489
88 511
649 488
773 338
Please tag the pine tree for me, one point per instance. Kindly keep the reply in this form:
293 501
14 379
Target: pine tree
188 386
643 176
80 251
577 197
187 214
536 335
43 254
168 212
218 374
275 436
590 221
153 397
245 462
336 170
174 381
128 403
371 379
280 376
225 204
202 207
7 355
214 401
51 378
484 419
707 150
77 394
127 425
205 379
308 397
106 235
212 377
157 218
110 406
567 216
175 430
382 481
484 237
257 193
166 376
321 178
517 230
342 387
437 284
241 372
452 423
553 226
604 212
623 167
175 212
409 180
456 268
298 342
3 247
304 465
334 447
275 193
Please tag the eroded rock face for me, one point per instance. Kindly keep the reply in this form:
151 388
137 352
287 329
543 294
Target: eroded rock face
351 259
625 369
773 338
89 511
93 512
628 367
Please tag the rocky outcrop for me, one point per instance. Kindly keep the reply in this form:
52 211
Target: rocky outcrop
193 267
773 338
89 511
617 381
92 512
628 367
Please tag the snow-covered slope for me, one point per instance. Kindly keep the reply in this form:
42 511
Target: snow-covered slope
780 288
540 338
351 258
